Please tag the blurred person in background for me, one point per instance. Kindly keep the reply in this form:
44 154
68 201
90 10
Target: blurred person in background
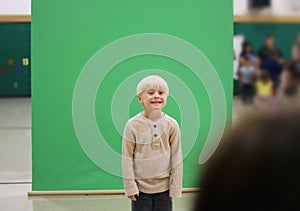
264 85
247 76
289 84
296 55
248 54
288 80
273 67
248 66
264 91
266 50
256 166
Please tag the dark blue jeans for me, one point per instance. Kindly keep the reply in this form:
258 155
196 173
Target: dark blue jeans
152 202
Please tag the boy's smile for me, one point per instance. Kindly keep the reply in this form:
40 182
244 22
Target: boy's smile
156 102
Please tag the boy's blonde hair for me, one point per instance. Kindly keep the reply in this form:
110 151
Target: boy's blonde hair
152 82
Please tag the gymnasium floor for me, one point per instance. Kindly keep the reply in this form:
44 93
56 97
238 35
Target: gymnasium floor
15 168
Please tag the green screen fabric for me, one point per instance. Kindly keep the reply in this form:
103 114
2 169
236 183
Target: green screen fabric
14 48
285 35
88 57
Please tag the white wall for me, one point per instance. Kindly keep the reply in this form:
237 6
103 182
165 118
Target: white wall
278 7
15 7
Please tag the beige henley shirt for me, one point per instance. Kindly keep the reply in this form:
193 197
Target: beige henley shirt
152 157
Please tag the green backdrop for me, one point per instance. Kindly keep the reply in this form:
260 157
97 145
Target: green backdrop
87 58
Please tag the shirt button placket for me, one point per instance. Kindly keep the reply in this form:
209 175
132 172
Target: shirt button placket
155 131
155 144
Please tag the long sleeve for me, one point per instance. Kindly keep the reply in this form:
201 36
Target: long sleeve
128 147
176 163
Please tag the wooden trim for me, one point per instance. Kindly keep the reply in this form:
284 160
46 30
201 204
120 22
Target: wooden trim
79 192
92 192
15 18
237 18
266 19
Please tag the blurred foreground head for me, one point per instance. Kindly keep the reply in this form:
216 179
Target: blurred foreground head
256 166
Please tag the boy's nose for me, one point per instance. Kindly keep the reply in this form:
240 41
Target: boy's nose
156 95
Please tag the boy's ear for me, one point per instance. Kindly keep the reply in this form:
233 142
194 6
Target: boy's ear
139 98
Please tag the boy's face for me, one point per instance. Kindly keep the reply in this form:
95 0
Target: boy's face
153 99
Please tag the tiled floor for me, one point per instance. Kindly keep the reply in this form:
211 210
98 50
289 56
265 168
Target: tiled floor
15 154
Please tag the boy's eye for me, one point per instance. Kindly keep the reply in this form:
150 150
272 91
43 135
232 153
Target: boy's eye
161 92
150 92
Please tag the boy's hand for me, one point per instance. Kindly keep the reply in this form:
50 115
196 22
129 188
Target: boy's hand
132 197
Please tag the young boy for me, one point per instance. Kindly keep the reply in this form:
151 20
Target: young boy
152 157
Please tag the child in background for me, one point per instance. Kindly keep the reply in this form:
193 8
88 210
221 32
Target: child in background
264 90
152 157
264 85
289 86
247 71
